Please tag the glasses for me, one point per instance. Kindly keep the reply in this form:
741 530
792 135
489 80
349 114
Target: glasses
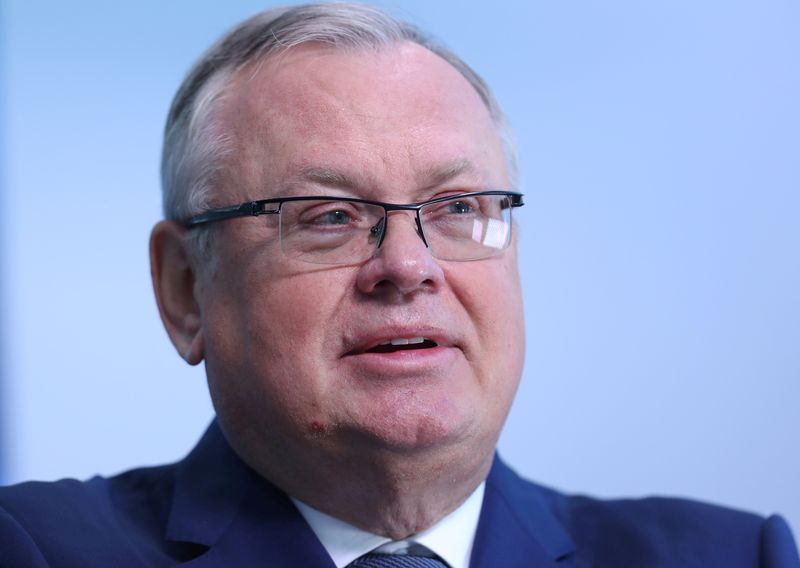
347 230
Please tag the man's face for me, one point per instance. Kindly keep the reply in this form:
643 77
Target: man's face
287 343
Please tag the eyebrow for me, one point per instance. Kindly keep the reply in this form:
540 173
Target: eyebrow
430 177
330 177
439 175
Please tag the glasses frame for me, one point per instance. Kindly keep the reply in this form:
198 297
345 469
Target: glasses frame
263 207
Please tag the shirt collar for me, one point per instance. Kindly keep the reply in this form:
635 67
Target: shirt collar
451 538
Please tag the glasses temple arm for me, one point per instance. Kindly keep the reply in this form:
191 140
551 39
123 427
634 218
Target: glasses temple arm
251 208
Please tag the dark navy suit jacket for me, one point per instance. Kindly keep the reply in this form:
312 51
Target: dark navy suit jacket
211 510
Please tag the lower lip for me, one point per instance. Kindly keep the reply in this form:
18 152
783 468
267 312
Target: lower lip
405 362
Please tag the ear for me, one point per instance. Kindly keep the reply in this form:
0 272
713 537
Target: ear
174 280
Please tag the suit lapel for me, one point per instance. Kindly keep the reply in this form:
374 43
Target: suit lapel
266 531
222 504
244 521
516 527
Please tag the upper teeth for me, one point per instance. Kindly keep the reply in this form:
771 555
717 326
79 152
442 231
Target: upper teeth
402 341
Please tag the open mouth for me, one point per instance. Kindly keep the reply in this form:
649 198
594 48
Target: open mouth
401 344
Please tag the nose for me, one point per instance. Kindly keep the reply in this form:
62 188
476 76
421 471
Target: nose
403 265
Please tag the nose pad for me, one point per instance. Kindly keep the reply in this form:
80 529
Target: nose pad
378 231
420 232
381 226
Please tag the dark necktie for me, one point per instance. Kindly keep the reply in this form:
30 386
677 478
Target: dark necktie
376 560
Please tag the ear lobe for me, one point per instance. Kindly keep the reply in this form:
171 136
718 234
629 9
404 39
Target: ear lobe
174 280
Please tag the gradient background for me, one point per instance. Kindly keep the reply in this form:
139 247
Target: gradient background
660 147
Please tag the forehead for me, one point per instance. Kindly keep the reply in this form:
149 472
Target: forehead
397 113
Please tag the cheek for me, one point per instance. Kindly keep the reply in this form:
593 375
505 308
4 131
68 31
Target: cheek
492 297
275 330
266 355
512 307
507 351
297 311
492 294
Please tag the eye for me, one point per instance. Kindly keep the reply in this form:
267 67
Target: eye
460 207
336 217
326 214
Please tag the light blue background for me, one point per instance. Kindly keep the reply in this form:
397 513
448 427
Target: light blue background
660 150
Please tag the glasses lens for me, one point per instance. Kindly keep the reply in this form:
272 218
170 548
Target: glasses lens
467 228
330 232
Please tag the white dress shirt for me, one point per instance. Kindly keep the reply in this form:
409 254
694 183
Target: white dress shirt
451 538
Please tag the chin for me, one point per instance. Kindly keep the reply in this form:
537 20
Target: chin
415 428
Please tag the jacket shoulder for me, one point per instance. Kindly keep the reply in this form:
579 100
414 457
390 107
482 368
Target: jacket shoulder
672 531
653 531
66 522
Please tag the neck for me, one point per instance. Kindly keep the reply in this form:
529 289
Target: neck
394 494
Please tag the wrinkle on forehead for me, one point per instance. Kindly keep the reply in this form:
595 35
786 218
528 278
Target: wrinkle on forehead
429 177
398 112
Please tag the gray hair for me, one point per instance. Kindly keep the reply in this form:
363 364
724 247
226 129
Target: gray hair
195 147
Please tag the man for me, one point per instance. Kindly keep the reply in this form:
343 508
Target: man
339 252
